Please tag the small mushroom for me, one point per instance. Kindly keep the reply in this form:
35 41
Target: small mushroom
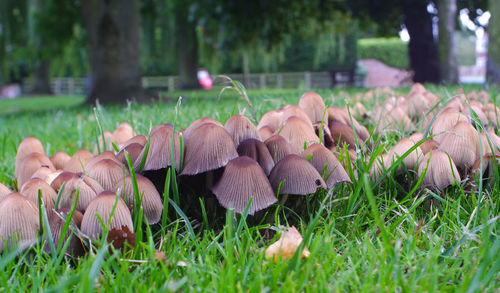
102 205
57 221
294 110
209 148
462 144
313 105
86 187
258 151
271 119
60 159
265 132
242 180
27 146
241 128
133 149
278 147
343 134
400 148
19 222
78 161
326 164
104 155
29 165
197 123
298 176
140 139
151 200
441 171
445 121
298 133
42 173
122 134
49 196
108 173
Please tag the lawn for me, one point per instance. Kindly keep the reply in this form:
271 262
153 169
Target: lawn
390 237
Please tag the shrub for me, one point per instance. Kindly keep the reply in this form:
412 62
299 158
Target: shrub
391 51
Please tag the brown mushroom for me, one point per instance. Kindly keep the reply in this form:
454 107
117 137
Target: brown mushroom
241 128
29 165
57 221
242 180
102 205
78 161
19 222
27 146
441 171
60 159
278 147
258 151
151 200
108 173
298 176
326 164
298 133
49 196
313 105
462 144
265 132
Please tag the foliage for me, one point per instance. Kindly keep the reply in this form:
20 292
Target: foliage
391 51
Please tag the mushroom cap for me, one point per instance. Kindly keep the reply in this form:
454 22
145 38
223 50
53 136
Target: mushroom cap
462 144
326 164
102 205
402 147
241 128
29 165
78 161
478 110
151 200
159 154
104 155
298 133
87 189
445 121
19 222
108 173
27 146
294 110
49 195
197 123
60 159
337 114
140 139
379 166
265 132
57 221
122 134
441 171
342 134
42 173
258 151
313 105
242 180
133 149
4 191
278 147
271 119
210 147
299 176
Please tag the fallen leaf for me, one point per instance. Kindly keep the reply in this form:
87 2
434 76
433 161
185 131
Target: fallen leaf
118 237
287 245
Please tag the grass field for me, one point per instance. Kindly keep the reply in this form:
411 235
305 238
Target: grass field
390 237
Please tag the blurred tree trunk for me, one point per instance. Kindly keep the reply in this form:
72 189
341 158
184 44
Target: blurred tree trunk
41 73
187 47
424 57
493 64
113 36
447 11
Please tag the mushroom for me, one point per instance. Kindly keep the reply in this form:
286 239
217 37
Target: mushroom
27 146
242 180
298 176
87 189
258 151
400 148
444 122
293 110
462 144
159 155
151 200
265 132
19 222
209 148
241 128
104 155
78 161
343 134
441 171
326 164
197 123
313 105
57 221
298 133
108 173
102 205
42 173
49 196
29 165
140 139
60 159
278 147
379 166
271 119
122 134
133 149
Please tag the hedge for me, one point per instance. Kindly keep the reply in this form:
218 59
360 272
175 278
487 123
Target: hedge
391 51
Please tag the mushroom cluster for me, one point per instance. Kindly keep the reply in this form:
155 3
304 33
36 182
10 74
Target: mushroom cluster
291 152
238 165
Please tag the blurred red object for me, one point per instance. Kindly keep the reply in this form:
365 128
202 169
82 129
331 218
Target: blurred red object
204 79
10 91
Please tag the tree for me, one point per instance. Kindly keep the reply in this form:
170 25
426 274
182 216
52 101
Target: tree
113 36
41 76
493 64
447 10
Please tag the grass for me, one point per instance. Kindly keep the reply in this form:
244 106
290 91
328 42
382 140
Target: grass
362 238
